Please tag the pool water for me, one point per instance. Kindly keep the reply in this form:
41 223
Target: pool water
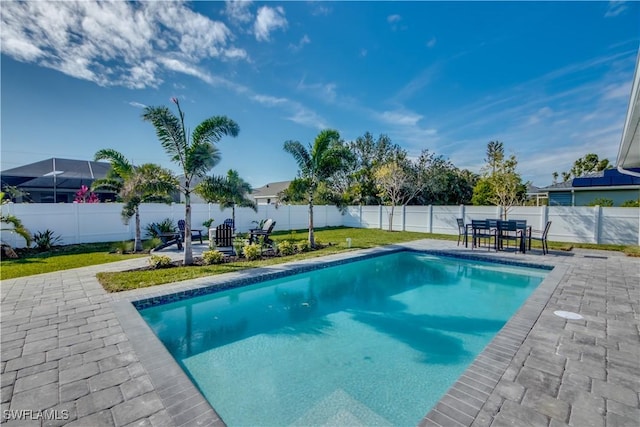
372 342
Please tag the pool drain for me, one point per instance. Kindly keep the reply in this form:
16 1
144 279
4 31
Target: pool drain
568 315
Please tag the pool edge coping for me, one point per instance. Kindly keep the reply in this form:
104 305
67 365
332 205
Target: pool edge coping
187 406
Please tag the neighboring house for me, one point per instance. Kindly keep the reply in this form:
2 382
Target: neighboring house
268 194
54 180
608 184
538 195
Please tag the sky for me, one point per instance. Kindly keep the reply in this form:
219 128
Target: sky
551 80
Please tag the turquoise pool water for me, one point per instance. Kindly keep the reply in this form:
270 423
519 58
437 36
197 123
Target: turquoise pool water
372 342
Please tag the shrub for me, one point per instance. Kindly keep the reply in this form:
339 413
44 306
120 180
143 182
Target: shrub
149 244
286 248
605 203
165 226
212 257
303 246
45 240
207 223
252 251
122 247
631 204
238 243
159 261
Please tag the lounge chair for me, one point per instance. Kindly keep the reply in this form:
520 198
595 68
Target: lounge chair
167 238
542 237
224 236
265 231
195 233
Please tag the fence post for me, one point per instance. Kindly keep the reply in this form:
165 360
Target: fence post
544 217
380 217
597 210
360 216
430 219
404 217
77 215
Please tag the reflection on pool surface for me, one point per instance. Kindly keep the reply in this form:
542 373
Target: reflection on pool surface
372 342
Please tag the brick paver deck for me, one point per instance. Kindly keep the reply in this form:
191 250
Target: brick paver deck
68 349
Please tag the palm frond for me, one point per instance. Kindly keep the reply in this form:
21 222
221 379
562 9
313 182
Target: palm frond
201 157
214 189
107 185
213 129
16 226
119 163
300 155
169 131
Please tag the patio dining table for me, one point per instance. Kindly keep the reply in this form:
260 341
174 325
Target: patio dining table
494 227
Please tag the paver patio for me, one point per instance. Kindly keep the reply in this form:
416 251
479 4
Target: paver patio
68 349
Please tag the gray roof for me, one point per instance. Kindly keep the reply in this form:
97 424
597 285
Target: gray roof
271 189
68 173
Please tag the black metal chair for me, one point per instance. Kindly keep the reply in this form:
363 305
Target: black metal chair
195 233
480 230
542 237
462 231
508 232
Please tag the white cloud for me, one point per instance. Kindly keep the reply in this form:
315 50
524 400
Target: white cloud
303 41
114 43
615 8
268 20
432 42
238 11
269 100
402 118
306 117
324 91
394 18
137 104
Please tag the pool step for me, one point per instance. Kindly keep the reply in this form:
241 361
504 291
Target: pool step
341 409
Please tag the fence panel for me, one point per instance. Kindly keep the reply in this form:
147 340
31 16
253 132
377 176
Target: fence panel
444 219
416 219
620 226
371 217
573 224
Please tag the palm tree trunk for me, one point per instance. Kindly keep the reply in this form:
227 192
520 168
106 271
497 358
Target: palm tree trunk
312 242
188 253
233 215
137 243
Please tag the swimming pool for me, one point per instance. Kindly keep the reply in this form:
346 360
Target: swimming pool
374 342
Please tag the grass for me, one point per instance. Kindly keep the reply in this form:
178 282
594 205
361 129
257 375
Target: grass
60 258
74 256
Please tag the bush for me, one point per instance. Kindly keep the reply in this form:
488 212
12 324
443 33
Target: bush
605 203
45 240
303 246
212 257
122 247
165 226
207 223
286 248
631 204
238 243
252 251
159 261
149 244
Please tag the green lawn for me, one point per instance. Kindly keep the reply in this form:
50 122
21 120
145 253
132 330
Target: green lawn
62 258
74 256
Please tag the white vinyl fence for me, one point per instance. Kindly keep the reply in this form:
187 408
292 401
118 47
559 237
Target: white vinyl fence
101 222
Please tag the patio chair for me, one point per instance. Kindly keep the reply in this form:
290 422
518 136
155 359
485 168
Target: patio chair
481 230
542 237
462 231
167 238
265 231
224 236
508 232
229 222
194 232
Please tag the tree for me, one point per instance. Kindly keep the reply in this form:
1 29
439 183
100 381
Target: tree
13 222
398 182
495 155
196 155
587 164
134 185
443 183
316 165
229 191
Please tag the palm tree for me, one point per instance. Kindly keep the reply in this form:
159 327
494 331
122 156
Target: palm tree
229 191
135 185
15 225
316 165
196 155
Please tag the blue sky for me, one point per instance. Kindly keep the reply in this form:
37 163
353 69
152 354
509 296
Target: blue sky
551 80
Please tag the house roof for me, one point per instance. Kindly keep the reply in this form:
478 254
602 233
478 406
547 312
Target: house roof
610 178
270 190
629 151
68 173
